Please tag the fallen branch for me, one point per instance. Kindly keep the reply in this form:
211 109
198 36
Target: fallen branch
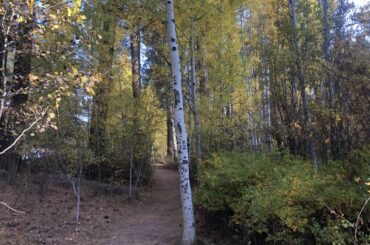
12 209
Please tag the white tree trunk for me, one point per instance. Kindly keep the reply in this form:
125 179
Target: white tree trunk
267 108
185 189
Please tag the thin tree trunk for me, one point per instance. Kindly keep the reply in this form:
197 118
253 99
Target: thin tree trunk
22 64
135 61
302 82
185 189
100 106
194 107
170 131
14 88
326 47
267 108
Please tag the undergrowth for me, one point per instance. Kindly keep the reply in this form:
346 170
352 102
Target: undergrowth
283 200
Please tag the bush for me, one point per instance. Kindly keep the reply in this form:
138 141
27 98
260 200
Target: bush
282 200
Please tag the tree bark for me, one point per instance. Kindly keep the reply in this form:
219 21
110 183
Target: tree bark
185 189
135 61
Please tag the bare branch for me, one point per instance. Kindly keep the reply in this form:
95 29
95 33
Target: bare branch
358 219
23 133
12 209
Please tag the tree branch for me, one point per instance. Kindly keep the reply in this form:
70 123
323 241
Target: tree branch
12 209
23 133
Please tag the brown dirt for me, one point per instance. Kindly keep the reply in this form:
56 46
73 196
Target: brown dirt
153 219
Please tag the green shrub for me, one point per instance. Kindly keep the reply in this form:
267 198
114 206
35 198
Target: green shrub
284 200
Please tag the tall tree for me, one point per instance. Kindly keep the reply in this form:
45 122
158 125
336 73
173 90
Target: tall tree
193 98
302 82
135 44
188 236
106 30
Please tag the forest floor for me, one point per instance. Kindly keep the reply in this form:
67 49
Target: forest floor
155 218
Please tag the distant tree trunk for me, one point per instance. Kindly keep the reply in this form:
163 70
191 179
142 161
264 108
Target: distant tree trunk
194 107
22 64
185 189
135 61
3 83
100 102
302 82
170 131
15 86
266 112
172 152
202 70
337 133
326 46
250 120
343 7
292 144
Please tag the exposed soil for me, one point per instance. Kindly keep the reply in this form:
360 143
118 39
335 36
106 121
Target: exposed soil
155 218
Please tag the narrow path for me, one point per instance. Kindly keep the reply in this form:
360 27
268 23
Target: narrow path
156 218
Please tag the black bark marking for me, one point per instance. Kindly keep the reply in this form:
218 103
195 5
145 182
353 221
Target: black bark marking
169 2
173 48
179 128
177 98
173 39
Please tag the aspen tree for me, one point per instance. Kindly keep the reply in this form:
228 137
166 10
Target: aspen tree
185 189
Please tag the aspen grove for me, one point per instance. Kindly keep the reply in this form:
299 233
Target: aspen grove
184 122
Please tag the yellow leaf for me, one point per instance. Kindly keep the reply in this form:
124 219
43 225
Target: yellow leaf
69 12
368 183
90 91
20 19
84 79
55 27
74 71
33 78
337 118
297 126
51 115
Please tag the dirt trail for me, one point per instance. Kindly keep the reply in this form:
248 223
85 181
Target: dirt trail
155 219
